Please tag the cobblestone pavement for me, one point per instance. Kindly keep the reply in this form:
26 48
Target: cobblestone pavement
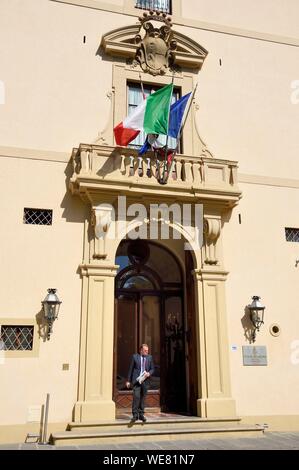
270 441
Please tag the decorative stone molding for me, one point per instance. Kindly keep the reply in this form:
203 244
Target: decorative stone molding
105 137
105 269
156 45
96 352
100 221
211 229
121 43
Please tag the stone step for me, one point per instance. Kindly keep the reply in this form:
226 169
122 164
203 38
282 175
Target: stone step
169 422
148 433
121 411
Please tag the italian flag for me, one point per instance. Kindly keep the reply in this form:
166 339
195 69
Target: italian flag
151 116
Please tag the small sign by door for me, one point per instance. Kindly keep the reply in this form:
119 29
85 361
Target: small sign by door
254 355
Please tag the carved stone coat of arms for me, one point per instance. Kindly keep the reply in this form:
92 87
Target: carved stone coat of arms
156 48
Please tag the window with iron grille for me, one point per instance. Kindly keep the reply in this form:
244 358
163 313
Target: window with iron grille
37 216
292 234
17 337
161 5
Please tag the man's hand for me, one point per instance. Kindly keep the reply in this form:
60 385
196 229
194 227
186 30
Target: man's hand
128 384
147 374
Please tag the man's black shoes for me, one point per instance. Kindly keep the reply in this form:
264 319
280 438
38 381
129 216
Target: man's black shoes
134 419
141 418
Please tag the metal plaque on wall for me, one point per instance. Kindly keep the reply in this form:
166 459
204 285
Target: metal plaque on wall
254 355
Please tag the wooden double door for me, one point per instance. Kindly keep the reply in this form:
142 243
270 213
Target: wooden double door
155 318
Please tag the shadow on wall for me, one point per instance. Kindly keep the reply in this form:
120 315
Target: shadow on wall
74 208
225 218
247 325
42 325
105 57
112 163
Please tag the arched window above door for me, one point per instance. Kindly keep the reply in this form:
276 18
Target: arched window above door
148 259
132 279
138 282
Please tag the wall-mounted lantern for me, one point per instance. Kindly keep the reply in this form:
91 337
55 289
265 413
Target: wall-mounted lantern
51 306
256 312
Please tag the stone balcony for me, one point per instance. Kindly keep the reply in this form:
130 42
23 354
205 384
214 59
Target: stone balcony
104 170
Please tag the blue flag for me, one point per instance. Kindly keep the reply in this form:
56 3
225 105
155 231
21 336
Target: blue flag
146 146
177 110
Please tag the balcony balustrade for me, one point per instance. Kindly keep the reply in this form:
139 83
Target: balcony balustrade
113 168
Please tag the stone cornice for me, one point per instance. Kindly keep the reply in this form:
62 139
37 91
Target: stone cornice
269 181
210 274
103 270
34 154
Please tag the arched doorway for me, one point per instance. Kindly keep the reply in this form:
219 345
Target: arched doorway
150 309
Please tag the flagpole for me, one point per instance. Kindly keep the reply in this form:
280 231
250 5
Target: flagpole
142 89
186 114
166 145
183 124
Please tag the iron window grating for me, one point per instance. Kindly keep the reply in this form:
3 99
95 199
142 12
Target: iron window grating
37 216
17 337
292 234
161 5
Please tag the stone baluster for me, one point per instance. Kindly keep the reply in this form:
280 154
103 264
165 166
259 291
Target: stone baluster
179 171
94 161
127 161
122 164
202 172
196 173
183 174
188 172
233 174
131 170
140 166
148 167
118 166
85 163
172 171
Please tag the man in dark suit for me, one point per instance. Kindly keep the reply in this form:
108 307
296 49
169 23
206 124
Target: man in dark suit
142 362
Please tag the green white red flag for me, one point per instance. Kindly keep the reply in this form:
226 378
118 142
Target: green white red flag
151 116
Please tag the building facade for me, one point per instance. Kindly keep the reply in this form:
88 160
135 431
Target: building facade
71 71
